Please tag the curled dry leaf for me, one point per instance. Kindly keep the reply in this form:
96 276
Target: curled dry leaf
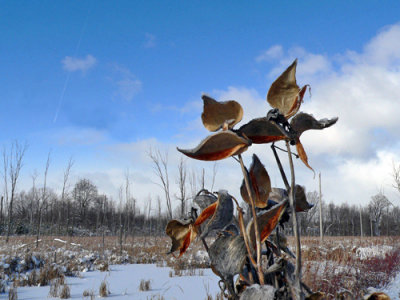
260 184
261 131
218 146
284 93
278 195
217 114
302 122
302 154
221 213
181 233
228 255
204 199
267 222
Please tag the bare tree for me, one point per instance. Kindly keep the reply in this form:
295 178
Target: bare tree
64 192
376 207
84 193
182 185
42 200
12 165
160 165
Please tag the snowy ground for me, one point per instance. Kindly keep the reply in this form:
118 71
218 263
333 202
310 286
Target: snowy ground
124 281
393 288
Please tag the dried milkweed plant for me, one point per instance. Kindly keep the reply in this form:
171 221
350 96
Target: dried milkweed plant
252 258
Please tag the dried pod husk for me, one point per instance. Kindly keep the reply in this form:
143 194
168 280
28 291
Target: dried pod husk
204 199
228 255
221 213
260 184
280 240
258 292
267 222
217 114
284 93
182 233
302 122
279 195
218 146
261 131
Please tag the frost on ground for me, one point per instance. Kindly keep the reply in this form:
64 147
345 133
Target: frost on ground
124 281
393 288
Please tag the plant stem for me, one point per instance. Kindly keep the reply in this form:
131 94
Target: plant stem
256 229
298 295
278 161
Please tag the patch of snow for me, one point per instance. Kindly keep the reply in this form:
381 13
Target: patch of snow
373 251
61 241
124 281
393 288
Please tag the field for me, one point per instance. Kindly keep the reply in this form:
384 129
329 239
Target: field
83 263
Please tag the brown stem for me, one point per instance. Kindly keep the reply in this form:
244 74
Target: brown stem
256 229
298 294
278 161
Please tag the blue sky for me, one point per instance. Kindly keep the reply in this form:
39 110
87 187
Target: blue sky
105 80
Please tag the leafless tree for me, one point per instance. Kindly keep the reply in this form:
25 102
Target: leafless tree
376 208
42 200
182 174
160 165
64 192
84 193
12 161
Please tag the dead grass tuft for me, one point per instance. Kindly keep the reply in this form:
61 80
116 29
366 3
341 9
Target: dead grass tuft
65 292
144 285
103 289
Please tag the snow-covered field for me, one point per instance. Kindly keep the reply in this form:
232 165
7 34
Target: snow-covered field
124 280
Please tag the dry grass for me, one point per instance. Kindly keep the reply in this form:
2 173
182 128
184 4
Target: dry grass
144 285
65 292
103 289
88 294
12 293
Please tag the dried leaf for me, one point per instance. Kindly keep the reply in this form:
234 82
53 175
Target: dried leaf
302 122
302 154
222 216
284 93
261 131
218 146
267 222
216 114
181 233
260 184
228 255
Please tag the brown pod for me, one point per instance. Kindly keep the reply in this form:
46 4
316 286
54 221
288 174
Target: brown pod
284 93
303 122
182 233
260 184
261 131
217 114
218 146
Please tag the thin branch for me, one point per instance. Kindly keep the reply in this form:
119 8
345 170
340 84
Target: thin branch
278 161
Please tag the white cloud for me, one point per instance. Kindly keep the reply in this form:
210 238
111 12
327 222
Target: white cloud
73 64
127 85
274 52
150 40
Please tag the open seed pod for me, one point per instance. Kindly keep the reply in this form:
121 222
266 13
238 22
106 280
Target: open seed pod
218 146
279 195
280 240
182 233
221 213
218 115
284 93
260 184
267 222
228 255
261 131
204 199
302 122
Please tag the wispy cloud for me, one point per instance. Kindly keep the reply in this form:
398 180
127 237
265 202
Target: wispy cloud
72 64
274 52
127 85
150 40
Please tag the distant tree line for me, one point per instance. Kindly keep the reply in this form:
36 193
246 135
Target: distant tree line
79 209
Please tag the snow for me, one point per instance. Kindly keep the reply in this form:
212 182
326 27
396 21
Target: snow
393 288
124 280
